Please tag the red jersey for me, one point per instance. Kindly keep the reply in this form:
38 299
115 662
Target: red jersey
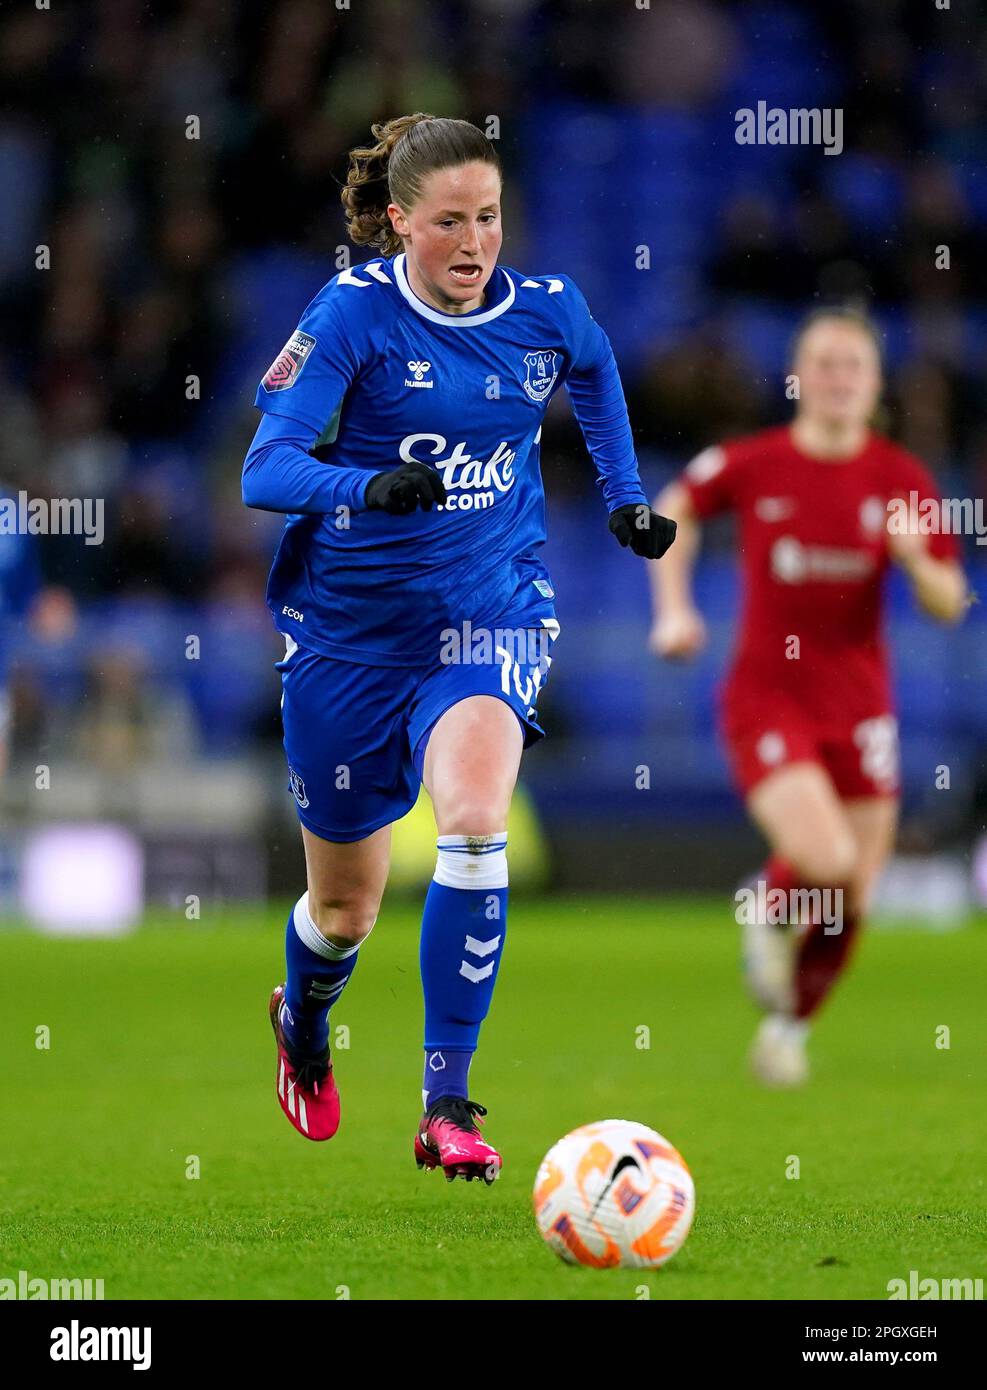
813 547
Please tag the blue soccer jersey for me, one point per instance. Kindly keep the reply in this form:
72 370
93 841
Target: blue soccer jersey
373 377
20 582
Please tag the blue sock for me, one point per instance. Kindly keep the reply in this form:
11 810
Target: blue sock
447 1072
462 940
317 975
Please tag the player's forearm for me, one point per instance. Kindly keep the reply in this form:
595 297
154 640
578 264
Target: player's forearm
279 475
940 588
671 580
601 412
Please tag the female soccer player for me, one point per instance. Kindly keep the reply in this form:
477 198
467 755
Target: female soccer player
400 434
807 712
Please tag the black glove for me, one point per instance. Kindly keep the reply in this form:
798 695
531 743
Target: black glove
403 489
646 532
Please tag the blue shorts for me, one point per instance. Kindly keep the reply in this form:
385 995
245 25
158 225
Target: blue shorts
355 735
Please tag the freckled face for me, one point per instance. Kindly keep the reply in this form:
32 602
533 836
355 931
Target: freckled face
452 235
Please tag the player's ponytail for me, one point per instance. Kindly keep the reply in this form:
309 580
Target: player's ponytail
392 170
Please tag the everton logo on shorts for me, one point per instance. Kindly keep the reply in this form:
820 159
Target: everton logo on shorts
540 373
290 360
297 787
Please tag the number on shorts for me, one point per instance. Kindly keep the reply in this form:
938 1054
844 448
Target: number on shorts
877 740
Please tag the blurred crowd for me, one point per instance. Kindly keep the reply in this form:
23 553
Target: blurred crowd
175 265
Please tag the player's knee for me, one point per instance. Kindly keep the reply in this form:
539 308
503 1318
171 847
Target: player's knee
831 862
858 895
472 814
343 920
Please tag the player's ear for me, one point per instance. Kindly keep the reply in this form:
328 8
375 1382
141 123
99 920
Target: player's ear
398 220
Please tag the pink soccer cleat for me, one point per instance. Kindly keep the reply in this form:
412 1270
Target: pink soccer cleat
306 1090
448 1138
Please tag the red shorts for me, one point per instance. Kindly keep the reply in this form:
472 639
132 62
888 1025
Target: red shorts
861 759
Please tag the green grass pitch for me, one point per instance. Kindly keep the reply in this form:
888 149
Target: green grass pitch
160 1049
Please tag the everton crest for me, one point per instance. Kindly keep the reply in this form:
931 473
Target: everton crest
541 371
297 788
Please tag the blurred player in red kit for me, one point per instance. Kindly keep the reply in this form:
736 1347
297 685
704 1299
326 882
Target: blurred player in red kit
807 712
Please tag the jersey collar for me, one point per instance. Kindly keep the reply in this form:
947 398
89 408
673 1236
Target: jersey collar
452 320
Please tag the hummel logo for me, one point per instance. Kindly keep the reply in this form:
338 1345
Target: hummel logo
419 369
481 949
473 974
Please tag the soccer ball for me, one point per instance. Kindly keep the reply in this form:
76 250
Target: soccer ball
614 1194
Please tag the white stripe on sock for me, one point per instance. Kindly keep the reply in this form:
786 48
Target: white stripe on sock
472 861
309 934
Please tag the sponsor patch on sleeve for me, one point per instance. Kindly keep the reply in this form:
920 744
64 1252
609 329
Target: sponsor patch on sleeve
283 371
